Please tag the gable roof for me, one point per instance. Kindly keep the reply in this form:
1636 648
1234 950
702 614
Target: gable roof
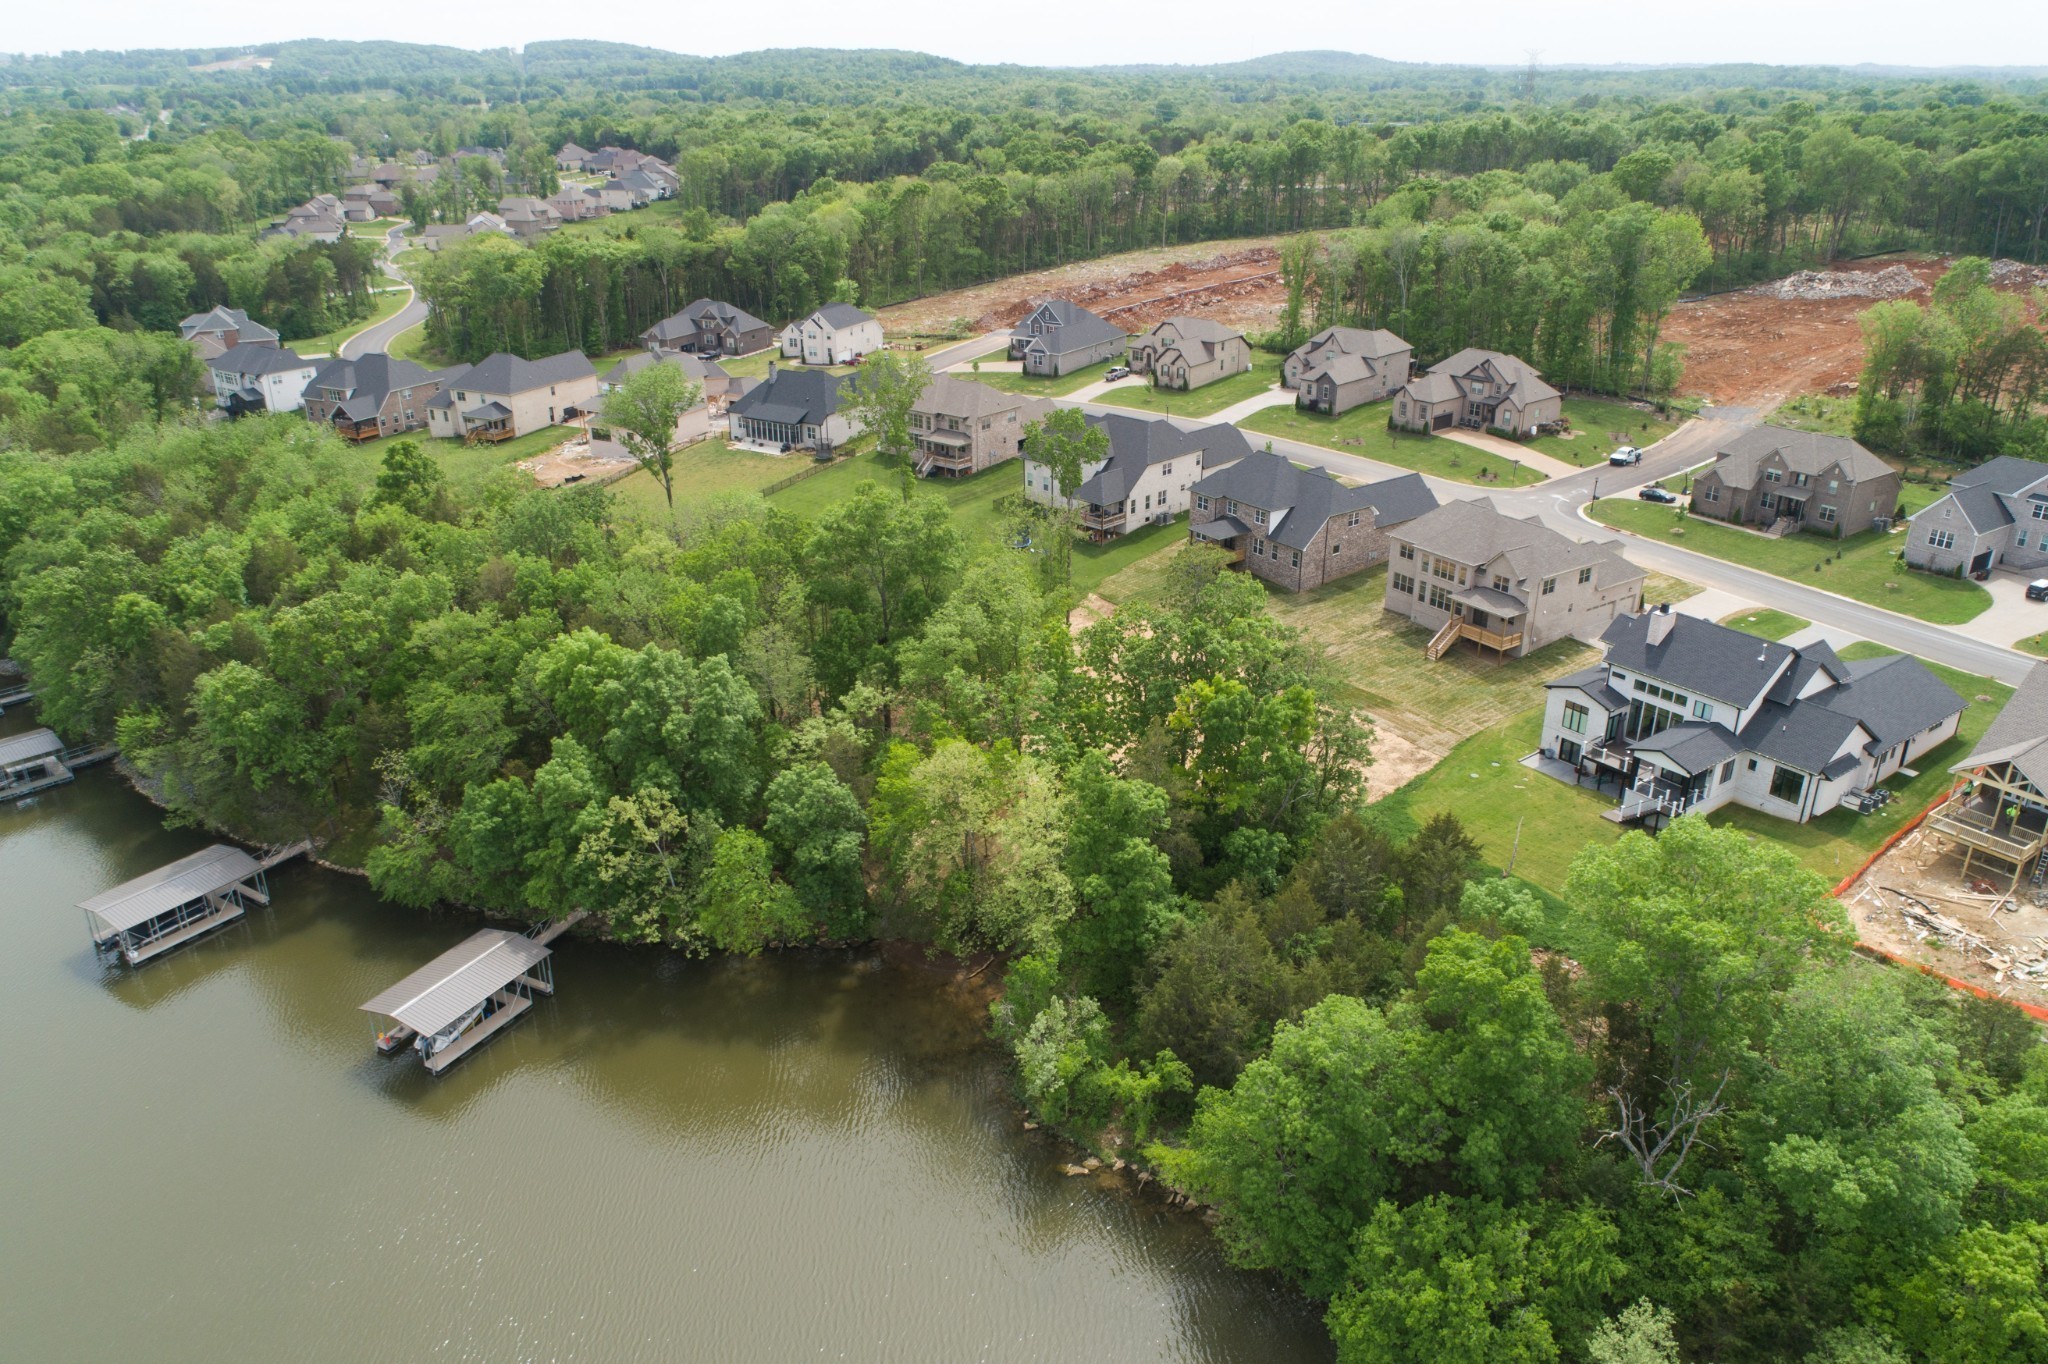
686 322
694 367
799 397
223 319
253 359
1477 532
1310 497
1199 334
2008 474
508 374
1804 452
1373 343
1525 385
1073 328
1803 735
2020 733
368 380
952 396
1894 698
839 315
1697 655
1136 444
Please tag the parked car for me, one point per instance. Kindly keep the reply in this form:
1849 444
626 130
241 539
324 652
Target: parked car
1117 372
1653 493
2037 590
1626 455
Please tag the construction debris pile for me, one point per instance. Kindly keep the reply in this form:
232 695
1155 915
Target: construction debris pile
2013 274
2021 959
1241 281
1893 281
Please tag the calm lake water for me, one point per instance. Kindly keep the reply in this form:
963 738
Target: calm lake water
809 1157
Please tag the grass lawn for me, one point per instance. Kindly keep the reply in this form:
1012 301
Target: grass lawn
2037 645
1363 431
411 344
1482 783
1597 423
1037 386
705 470
466 465
1765 623
384 302
755 366
1868 570
1209 398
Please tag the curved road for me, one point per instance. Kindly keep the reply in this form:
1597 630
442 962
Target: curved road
380 335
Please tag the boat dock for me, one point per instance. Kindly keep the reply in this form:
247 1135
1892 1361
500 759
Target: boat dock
16 695
459 1000
186 899
39 760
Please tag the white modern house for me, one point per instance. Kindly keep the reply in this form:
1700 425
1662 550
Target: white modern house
257 377
836 334
1145 477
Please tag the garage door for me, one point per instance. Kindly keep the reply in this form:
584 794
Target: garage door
1441 420
1982 563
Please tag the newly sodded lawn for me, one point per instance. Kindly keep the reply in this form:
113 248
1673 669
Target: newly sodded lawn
1765 623
466 464
706 470
1204 401
755 366
383 303
1483 783
1601 426
1363 431
1868 570
1036 386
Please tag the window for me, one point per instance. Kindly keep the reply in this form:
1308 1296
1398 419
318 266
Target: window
2022 541
1404 584
1336 547
1351 521
1439 598
1826 516
1201 502
1585 575
1767 502
1549 586
1941 539
1443 568
1787 784
1230 505
1575 716
1148 502
1703 710
1773 476
1728 771
1408 551
1709 492
1800 479
1166 468
2040 511
1258 546
1258 516
1294 557
1834 485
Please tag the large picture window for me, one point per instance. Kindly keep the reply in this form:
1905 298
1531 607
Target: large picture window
1787 784
1575 717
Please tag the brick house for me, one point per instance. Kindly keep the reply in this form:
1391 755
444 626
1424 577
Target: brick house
1300 528
1340 368
1478 389
372 395
1188 352
960 427
1993 516
1768 474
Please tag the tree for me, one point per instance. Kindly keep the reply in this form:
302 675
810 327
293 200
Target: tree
1689 940
1641 1334
644 415
880 566
879 399
1065 443
815 824
1123 886
740 907
410 478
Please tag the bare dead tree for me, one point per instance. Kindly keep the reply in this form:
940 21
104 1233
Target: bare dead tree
1658 1139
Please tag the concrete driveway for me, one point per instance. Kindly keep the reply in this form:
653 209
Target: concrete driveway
1507 449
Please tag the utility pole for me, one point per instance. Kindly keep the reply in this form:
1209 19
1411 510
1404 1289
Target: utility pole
1529 76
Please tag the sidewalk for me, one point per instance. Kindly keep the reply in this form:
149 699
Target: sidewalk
1237 412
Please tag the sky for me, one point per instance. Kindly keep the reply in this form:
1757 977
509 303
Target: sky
1073 33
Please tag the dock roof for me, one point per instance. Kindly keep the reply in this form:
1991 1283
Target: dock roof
179 883
24 748
458 980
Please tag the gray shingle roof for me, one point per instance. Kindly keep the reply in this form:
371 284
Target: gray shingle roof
1806 736
1698 656
1804 452
841 315
798 397
369 378
1696 748
1894 698
251 359
1135 444
1074 328
1476 532
1374 343
1310 497
951 396
1593 682
2020 733
506 373
226 319
1525 385
2008 474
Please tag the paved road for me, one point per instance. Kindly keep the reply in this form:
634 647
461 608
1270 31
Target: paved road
382 334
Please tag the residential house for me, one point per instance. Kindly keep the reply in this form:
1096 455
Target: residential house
719 387
254 377
321 218
502 396
1468 571
708 327
614 199
605 160
1340 368
528 218
960 427
220 329
645 185
793 409
570 157
361 203
1188 352
1300 528
1145 477
440 234
495 155
573 204
1998 809
1479 389
1993 516
1797 480
836 334
372 395
1058 337
1684 716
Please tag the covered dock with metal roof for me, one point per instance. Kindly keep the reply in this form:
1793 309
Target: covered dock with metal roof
176 903
454 1003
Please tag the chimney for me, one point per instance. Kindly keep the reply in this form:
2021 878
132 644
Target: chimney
771 369
1660 623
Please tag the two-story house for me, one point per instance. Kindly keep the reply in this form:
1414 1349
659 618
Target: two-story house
253 377
709 327
1340 368
1997 813
1683 716
1469 572
793 409
1058 337
960 427
1188 352
1300 528
718 387
220 329
1995 515
1770 475
1479 389
528 217
372 395
836 334
501 396
1145 477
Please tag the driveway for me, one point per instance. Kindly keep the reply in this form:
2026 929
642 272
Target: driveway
1258 402
1543 464
2010 616
379 336
1102 386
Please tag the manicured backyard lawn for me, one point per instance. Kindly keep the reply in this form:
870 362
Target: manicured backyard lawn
706 470
1363 431
1036 386
755 366
1210 398
1868 570
1765 623
1601 426
383 303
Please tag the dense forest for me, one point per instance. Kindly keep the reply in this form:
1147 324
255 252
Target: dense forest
1665 1116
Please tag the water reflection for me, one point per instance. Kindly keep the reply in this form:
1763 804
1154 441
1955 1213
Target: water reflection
809 1155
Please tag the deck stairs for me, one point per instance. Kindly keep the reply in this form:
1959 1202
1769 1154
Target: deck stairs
1445 638
924 465
1783 526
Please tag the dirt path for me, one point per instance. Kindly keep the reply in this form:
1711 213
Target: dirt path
1232 281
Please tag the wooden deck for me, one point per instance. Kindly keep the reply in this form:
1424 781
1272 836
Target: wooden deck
226 912
510 1006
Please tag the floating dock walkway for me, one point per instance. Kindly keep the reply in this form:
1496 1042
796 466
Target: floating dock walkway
459 1000
38 760
189 898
